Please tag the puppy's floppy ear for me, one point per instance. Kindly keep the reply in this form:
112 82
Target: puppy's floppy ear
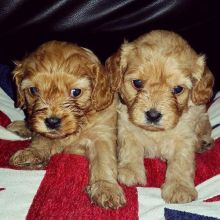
102 96
204 81
18 74
115 70
116 65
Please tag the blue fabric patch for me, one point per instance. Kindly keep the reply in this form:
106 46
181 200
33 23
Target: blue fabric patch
170 214
6 80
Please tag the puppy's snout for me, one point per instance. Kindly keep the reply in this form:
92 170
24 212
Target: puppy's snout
53 122
153 115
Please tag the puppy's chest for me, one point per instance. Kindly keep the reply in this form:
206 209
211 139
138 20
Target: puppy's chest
93 128
155 143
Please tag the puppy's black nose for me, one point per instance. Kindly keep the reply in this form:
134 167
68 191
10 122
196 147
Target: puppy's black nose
52 122
153 115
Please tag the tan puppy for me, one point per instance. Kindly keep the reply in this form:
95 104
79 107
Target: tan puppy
163 86
66 93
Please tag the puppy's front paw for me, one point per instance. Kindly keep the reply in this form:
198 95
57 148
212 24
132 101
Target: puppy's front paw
106 194
129 175
178 193
206 145
19 128
27 158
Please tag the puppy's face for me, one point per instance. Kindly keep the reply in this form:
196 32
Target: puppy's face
58 84
155 95
159 76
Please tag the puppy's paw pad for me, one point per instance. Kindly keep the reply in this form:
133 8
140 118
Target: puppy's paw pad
129 176
106 194
177 193
26 158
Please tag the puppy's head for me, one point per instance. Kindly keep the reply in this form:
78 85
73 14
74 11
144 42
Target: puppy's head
58 84
159 76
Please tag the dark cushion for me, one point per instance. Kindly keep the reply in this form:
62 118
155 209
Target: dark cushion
102 25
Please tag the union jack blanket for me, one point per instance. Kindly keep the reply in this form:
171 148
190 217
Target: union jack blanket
58 191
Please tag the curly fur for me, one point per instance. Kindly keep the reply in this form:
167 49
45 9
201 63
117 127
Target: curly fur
162 60
87 122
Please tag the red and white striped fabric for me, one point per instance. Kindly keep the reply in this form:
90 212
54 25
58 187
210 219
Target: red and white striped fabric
58 191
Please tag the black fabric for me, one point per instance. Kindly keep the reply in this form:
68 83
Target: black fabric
102 25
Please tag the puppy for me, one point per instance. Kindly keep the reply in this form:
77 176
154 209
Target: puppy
70 109
163 86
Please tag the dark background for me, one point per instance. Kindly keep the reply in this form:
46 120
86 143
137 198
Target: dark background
102 25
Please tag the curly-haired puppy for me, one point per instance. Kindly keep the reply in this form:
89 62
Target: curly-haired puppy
163 86
70 108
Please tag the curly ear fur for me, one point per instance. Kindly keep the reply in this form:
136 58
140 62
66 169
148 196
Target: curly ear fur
102 96
204 81
113 67
18 75
116 65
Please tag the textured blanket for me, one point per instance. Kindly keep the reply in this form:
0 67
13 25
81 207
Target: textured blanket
58 192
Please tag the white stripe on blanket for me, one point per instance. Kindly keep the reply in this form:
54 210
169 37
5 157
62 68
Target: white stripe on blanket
214 115
151 205
7 107
19 190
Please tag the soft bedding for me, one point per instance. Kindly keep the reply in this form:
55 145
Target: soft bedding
58 191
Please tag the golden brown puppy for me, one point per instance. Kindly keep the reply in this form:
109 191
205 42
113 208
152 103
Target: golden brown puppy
66 93
163 86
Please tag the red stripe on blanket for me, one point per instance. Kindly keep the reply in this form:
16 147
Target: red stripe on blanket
62 194
208 163
4 120
8 148
207 166
213 199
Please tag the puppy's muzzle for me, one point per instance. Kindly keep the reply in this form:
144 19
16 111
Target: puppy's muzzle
153 116
52 123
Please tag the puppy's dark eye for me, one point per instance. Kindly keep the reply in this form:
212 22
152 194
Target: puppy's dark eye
75 92
137 83
33 90
177 90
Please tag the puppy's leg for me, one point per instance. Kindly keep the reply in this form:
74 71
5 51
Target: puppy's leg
131 170
203 131
35 156
20 128
103 188
179 184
